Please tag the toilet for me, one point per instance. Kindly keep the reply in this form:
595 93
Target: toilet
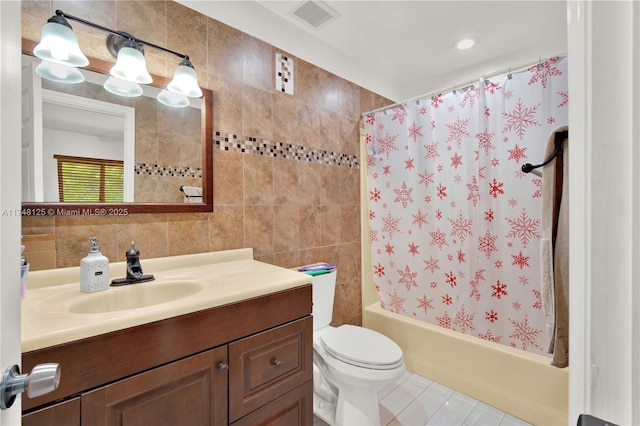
350 364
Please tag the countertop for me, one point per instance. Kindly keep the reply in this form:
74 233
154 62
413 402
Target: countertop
225 277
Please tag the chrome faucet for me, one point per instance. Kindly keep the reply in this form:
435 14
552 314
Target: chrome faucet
134 269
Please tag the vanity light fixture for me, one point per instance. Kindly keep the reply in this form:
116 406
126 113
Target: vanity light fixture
59 72
173 99
59 45
121 87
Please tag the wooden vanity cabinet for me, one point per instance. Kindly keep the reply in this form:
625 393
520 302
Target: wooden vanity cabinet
256 368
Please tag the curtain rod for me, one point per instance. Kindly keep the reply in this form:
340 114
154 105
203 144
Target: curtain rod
433 93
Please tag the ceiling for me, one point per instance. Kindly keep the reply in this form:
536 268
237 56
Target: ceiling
404 49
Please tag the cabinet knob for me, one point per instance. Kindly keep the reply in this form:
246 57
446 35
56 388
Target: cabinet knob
222 367
277 362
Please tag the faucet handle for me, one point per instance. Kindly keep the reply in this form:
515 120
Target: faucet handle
133 250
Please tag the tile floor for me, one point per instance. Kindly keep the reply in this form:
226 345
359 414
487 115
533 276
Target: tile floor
415 400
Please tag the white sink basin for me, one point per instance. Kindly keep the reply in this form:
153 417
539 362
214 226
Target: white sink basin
134 296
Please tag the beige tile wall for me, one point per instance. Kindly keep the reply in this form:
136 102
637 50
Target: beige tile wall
290 212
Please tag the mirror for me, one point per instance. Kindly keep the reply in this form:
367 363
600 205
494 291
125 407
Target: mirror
153 153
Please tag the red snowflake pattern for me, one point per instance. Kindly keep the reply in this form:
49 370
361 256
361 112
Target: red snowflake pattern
425 304
487 244
432 151
387 144
525 333
484 140
458 131
399 113
491 87
407 277
378 270
456 160
564 96
521 260
538 296
420 219
444 320
520 119
442 191
490 337
474 191
426 178
414 131
461 227
447 300
524 228
438 238
431 264
403 195
517 154
495 188
499 290
451 279
463 321
390 225
436 100
396 303
491 316
543 71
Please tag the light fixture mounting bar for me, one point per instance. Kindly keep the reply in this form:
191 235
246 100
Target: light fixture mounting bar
119 33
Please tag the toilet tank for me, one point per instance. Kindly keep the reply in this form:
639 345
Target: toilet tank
323 289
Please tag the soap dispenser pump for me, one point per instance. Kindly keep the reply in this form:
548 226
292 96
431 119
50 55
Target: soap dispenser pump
94 270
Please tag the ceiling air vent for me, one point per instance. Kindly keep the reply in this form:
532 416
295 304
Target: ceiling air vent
315 13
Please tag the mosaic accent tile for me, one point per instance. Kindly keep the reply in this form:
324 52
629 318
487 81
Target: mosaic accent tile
284 74
162 170
249 145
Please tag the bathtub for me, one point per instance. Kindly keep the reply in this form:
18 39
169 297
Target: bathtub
520 383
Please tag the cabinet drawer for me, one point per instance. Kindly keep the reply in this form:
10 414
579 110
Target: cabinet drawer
292 408
269 364
65 413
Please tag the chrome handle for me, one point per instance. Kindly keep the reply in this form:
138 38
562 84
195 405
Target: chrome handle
276 362
222 367
44 378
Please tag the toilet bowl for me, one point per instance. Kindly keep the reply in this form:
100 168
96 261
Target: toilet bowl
350 363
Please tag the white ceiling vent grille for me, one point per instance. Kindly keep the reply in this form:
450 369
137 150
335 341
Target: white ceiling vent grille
315 13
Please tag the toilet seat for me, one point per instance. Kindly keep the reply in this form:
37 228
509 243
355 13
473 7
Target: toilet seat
362 347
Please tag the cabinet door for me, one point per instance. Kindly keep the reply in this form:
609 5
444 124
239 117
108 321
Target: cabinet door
192 391
267 365
293 408
65 413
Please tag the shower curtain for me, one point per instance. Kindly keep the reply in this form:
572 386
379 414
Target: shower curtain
454 222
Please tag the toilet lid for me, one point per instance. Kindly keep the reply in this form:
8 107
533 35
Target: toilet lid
362 347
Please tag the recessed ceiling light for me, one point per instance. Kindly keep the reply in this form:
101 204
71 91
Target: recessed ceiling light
466 43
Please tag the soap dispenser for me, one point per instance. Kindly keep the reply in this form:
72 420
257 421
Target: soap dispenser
94 270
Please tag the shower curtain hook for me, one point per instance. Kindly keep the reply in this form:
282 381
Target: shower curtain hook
509 76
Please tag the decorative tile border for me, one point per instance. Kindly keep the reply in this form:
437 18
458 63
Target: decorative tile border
160 170
248 145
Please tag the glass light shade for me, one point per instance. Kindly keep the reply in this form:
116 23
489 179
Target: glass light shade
121 87
59 72
59 44
185 80
131 66
173 99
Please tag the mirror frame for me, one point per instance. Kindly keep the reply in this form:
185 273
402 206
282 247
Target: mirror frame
122 209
